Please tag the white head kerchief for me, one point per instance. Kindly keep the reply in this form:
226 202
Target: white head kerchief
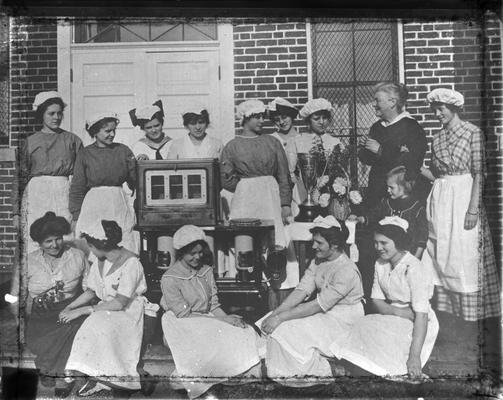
94 229
446 96
315 105
186 235
42 97
394 220
326 222
94 119
249 107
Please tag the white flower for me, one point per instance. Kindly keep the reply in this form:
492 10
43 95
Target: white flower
324 200
316 195
322 181
355 197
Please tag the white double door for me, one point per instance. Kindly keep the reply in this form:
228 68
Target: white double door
121 79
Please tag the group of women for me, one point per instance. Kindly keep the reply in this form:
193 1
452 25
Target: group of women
87 312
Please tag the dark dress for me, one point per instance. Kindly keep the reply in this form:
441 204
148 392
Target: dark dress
402 143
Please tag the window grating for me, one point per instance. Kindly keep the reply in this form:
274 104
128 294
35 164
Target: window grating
349 58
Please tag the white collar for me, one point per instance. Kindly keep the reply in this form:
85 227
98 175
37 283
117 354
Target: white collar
402 115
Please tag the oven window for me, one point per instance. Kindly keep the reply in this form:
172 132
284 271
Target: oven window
157 187
194 186
176 187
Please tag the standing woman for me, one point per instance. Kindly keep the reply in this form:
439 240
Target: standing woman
396 139
459 243
317 113
47 161
399 338
197 143
255 168
107 345
100 171
283 113
302 332
54 276
155 144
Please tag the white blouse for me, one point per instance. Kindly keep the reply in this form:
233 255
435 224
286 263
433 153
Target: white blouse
306 141
409 283
141 147
183 147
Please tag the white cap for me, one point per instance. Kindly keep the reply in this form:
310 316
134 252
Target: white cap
326 222
315 105
446 96
249 107
279 101
94 229
395 220
94 119
186 235
42 97
146 112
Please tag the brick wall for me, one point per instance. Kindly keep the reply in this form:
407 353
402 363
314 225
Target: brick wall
466 56
270 60
33 68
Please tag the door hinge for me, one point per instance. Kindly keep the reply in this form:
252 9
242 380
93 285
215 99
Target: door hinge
219 74
71 74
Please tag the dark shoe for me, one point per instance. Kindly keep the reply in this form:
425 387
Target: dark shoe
47 381
63 391
147 383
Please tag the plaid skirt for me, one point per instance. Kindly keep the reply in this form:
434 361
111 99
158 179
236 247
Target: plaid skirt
484 303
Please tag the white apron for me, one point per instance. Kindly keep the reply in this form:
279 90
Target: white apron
381 343
207 351
42 194
299 347
258 197
107 345
110 203
452 251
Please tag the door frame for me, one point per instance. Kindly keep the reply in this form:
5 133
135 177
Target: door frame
226 62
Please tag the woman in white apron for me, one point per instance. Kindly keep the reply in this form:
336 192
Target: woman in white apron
301 333
100 171
283 113
47 162
208 346
459 245
254 167
155 145
398 340
197 143
107 346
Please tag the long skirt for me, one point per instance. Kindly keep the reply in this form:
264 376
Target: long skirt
107 346
50 341
110 203
463 261
208 351
297 350
380 343
258 197
43 194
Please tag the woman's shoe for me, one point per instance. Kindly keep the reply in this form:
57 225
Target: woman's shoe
92 388
47 381
62 391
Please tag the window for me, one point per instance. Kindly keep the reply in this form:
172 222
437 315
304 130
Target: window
170 187
106 31
349 58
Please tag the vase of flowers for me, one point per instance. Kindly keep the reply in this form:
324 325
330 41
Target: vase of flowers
333 185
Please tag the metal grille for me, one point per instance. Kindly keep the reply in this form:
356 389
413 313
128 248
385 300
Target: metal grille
349 58
144 31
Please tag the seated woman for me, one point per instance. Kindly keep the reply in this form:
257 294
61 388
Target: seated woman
107 346
155 145
53 278
399 339
205 342
301 333
197 144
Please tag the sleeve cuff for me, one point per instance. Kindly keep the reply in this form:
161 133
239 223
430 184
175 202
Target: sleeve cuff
320 303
